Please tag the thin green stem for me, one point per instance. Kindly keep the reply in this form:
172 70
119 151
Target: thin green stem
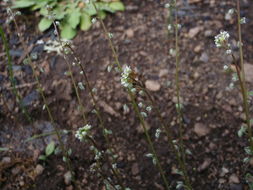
169 136
11 75
151 146
62 147
135 106
39 86
178 107
115 170
241 76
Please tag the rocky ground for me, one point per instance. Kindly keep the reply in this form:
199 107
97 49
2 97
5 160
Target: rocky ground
212 110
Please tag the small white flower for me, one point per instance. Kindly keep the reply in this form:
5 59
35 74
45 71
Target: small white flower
114 166
225 67
149 108
110 35
167 5
133 90
142 93
94 90
125 108
144 114
179 26
125 80
229 51
149 155
169 27
221 40
231 11
140 105
243 20
86 1
173 52
81 86
82 132
93 20
109 68
157 133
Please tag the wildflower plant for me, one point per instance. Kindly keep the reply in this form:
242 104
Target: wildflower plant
222 41
28 60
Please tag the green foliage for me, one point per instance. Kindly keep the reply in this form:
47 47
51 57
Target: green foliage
50 149
70 14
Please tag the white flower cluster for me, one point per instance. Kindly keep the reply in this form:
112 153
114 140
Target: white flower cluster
221 40
82 132
125 77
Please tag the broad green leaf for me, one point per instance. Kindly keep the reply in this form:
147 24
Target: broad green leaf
85 23
117 6
102 14
44 24
44 11
50 148
67 32
90 9
59 12
74 18
102 6
23 4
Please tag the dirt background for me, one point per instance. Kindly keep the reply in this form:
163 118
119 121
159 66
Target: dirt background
212 111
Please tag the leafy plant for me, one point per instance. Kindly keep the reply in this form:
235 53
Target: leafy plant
70 13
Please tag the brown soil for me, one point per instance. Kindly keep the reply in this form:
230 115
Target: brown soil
212 114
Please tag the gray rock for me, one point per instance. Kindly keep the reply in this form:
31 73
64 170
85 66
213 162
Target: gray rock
30 98
201 129
204 57
152 85
248 72
236 187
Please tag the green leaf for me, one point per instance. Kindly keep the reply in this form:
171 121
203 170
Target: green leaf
23 4
67 32
59 12
90 9
117 6
44 24
102 14
50 148
85 22
250 93
3 149
74 18
102 6
42 157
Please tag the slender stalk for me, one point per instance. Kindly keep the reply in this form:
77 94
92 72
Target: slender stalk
11 75
178 107
51 118
134 103
114 170
241 76
169 136
39 85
